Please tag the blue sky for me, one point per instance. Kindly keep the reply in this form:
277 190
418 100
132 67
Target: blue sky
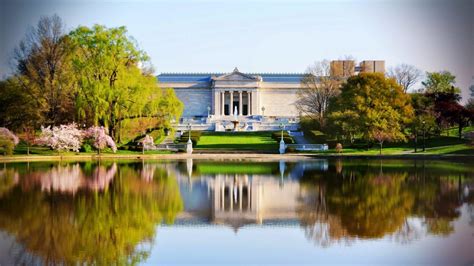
269 36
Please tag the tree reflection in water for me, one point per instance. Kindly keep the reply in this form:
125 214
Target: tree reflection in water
87 213
360 200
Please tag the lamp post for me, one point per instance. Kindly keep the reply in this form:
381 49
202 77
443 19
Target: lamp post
208 111
189 145
263 110
424 142
415 138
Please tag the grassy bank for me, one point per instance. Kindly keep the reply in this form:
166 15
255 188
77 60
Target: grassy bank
21 150
454 149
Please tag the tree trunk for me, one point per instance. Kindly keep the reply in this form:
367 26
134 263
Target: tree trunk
380 151
416 142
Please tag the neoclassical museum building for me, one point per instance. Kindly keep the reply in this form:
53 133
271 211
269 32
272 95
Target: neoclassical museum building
259 101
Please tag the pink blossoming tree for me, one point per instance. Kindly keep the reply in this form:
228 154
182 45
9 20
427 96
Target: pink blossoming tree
100 139
61 138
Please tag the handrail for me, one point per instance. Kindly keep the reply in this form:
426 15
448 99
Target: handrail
308 147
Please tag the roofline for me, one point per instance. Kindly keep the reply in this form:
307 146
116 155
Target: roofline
213 74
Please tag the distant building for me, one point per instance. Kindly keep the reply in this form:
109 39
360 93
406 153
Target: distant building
259 101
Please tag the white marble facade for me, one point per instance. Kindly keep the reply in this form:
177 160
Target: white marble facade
219 95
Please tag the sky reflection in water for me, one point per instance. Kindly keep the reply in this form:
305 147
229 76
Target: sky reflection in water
228 212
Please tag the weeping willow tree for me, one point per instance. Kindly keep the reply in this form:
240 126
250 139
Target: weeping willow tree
115 82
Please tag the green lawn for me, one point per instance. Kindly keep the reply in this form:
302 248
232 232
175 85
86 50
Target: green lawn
237 141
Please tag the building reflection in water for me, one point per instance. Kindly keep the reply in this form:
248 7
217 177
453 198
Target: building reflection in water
237 199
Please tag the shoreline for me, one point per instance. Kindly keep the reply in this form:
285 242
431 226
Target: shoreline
229 156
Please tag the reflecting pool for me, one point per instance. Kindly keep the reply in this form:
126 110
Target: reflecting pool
237 212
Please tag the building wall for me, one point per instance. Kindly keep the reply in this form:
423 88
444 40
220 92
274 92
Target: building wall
278 102
195 100
372 66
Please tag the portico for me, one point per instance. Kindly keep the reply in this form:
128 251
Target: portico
227 100
235 91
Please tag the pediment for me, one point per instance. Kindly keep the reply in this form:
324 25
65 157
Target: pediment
236 75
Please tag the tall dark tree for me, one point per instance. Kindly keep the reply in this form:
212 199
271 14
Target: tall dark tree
44 70
16 108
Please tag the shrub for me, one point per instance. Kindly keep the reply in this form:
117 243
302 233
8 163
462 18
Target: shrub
195 137
286 137
86 147
8 140
7 146
318 136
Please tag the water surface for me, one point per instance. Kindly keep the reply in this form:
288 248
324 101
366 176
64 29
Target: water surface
237 212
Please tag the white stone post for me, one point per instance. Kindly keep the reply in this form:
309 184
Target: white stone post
282 142
282 147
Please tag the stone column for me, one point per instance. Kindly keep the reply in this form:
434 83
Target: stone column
222 96
216 108
222 196
249 103
240 197
231 103
240 103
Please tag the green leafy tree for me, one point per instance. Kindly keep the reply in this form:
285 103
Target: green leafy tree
114 84
373 107
439 82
